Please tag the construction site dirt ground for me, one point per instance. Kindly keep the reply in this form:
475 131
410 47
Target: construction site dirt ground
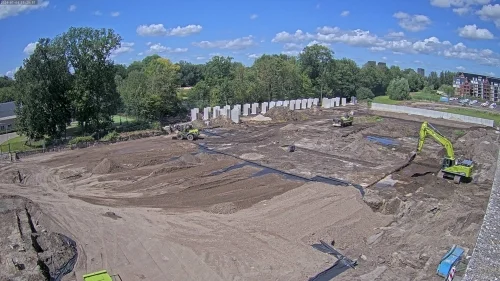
237 205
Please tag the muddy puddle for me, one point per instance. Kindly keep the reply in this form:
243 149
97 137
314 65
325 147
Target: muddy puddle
383 140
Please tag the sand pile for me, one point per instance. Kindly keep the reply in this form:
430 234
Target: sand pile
223 208
283 114
260 118
106 166
221 121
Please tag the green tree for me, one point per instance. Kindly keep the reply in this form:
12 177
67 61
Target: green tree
316 62
162 84
415 81
433 80
190 74
364 94
133 91
371 77
345 78
447 89
399 89
94 95
43 84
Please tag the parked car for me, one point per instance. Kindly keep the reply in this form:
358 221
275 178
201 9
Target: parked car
493 105
485 104
472 102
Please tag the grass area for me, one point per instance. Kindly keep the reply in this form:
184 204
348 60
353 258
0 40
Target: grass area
475 113
19 144
385 100
425 96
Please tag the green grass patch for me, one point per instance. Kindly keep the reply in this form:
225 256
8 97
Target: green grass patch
19 143
385 100
475 113
426 96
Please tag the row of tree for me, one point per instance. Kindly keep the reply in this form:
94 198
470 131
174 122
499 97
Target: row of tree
72 77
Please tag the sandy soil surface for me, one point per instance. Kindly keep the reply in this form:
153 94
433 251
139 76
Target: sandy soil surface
161 209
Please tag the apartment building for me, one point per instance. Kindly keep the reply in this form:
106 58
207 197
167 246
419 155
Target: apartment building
478 86
421 71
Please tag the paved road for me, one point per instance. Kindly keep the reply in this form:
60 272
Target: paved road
5 137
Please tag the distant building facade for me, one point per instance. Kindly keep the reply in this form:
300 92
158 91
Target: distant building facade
479 86
7 116
372 63
382 64
421 71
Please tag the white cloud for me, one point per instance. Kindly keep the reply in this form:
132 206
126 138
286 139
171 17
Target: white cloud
30 48
490 13
384 58
291 53
491 74
11 73
97 13
461 11
72 8
254 56
140 54
115 14
396 34
299 35
200 58
293 42
254 16
412 22
314 42
417 61
159 48
216 55
160 30
149 43
126 47
460 68
458 3
344 13
14 10
472 32
235 44
460 7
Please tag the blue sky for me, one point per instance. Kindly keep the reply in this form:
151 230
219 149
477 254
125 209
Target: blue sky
432 34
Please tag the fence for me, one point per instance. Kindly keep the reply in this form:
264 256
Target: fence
8 152
432 114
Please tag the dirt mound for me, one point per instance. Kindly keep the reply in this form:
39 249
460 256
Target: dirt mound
223 208
481 146
106 166
198 124
221 121
283 114
260 118
31 252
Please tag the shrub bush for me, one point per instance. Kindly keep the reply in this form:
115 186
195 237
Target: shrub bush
112 136
78 140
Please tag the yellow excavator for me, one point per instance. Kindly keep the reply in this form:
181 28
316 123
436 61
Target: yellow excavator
451 168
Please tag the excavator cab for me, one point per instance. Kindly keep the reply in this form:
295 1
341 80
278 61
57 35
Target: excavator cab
447 162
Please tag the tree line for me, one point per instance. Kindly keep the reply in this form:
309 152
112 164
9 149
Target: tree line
73 77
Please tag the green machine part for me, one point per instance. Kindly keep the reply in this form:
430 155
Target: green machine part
449 165
98 276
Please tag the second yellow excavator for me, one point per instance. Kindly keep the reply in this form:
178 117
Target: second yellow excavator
458 170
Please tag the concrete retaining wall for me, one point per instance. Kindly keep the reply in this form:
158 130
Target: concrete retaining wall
432 114
485 262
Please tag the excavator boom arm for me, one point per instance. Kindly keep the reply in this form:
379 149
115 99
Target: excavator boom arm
427 129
